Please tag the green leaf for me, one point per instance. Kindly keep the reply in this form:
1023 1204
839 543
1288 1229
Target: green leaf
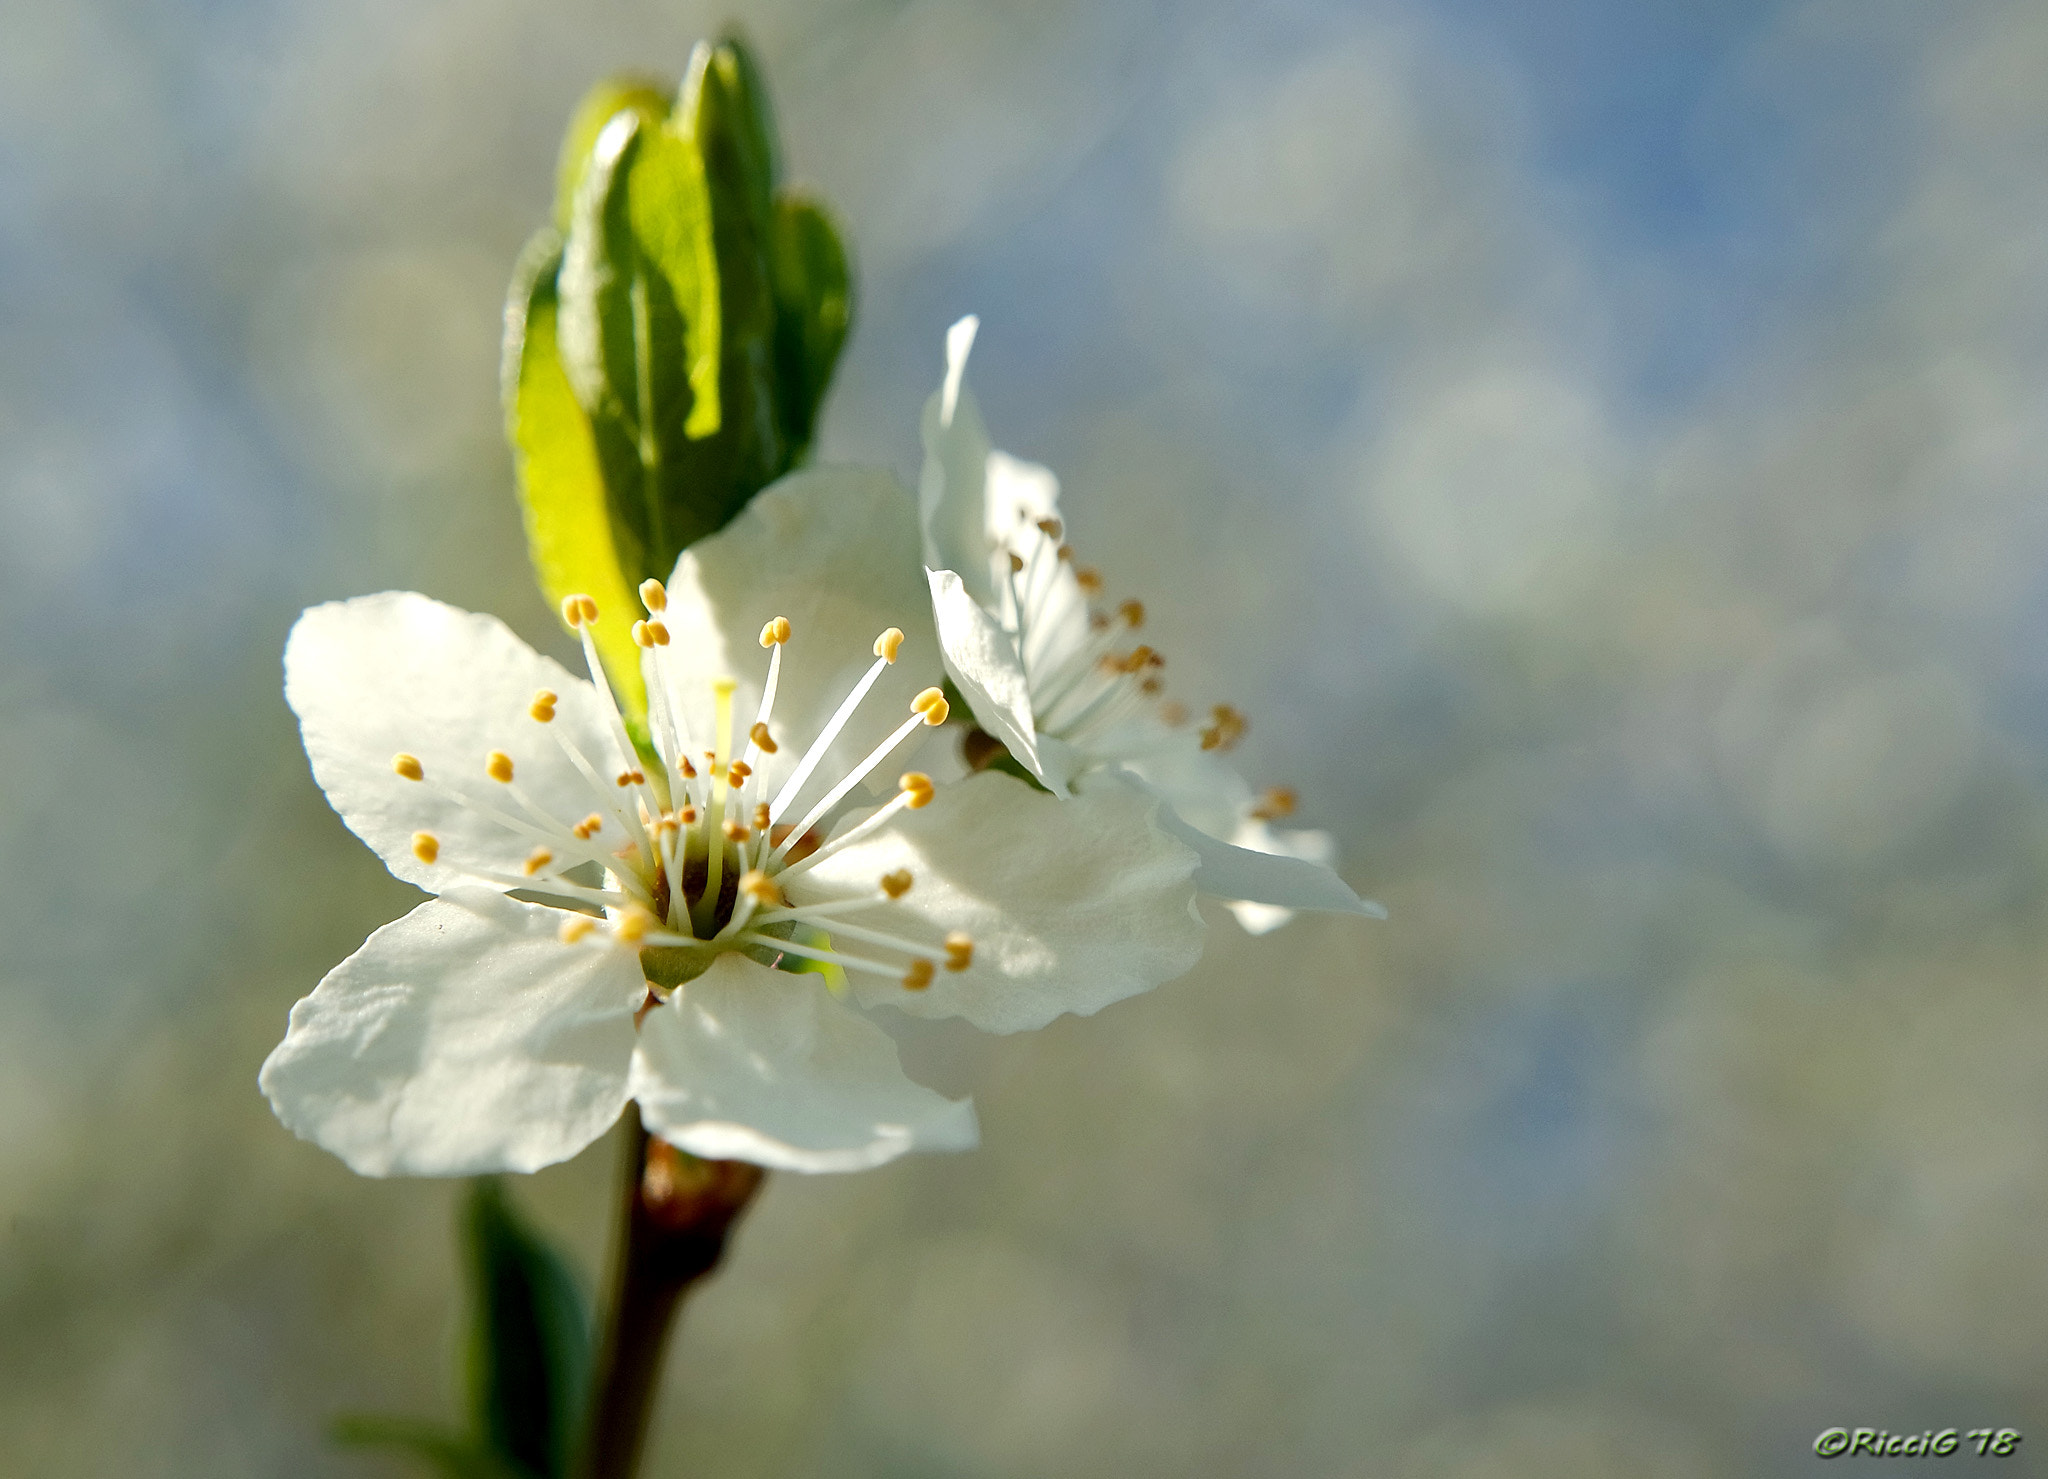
451 1455
530 1338
813 311
570 532
614 95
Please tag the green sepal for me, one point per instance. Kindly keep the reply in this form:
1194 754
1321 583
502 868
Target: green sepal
529 1349
451 1455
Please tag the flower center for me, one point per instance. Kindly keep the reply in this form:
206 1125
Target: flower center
684 858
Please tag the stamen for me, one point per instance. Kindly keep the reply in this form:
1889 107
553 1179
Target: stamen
574 928
1016 562
737 773
959 951
579 611
426 846
633 925
928 707
759 887
632 778
1226 730
1089 580
812 952
1051 529
885 653
590 826
409 767
888 644
653 595
897 884
542 709
498 766
918 976
776 632
721 736
536 860
734 829
917 786
761 817
763 741
1133 612
1275 804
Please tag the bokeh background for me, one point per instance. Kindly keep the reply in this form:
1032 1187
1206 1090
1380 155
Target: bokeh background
1602 446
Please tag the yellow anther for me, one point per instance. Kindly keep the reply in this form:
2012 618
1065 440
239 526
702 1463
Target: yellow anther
763 741
888 644
687 814
1150 686
543 706
632 778
1089 580
1016 562
1066 553
1226 728
932 704
897 884
633 925
918 976
1278 802
426 846
917 786
575 927
579 611
659 631
536 860
408 766
593 824
1050 528
734 829
959 952
1132 612
761 816
776 632
498 766
737 772
653 595
759 887
642 636
689 770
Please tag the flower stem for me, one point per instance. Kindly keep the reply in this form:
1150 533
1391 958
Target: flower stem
676 1212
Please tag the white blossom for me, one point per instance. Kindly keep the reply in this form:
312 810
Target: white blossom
682 922
1066 686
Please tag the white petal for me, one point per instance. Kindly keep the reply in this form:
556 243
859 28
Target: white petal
397 672
751 1064
950 488
983 661
1201 786
1271 872
461 1039
836 551
1016 492
1071 904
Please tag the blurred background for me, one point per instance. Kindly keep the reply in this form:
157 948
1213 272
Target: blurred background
1602 448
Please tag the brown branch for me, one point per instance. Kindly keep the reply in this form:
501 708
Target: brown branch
677 1211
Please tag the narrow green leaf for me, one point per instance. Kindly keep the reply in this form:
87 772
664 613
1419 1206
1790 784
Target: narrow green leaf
614 95
530 1338
451 1455
570 533
813 312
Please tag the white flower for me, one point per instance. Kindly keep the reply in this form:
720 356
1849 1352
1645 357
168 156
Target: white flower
610 922
1068 691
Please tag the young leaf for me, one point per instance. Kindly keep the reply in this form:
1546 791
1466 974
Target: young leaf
813 312
570 531
612 96
529 1339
